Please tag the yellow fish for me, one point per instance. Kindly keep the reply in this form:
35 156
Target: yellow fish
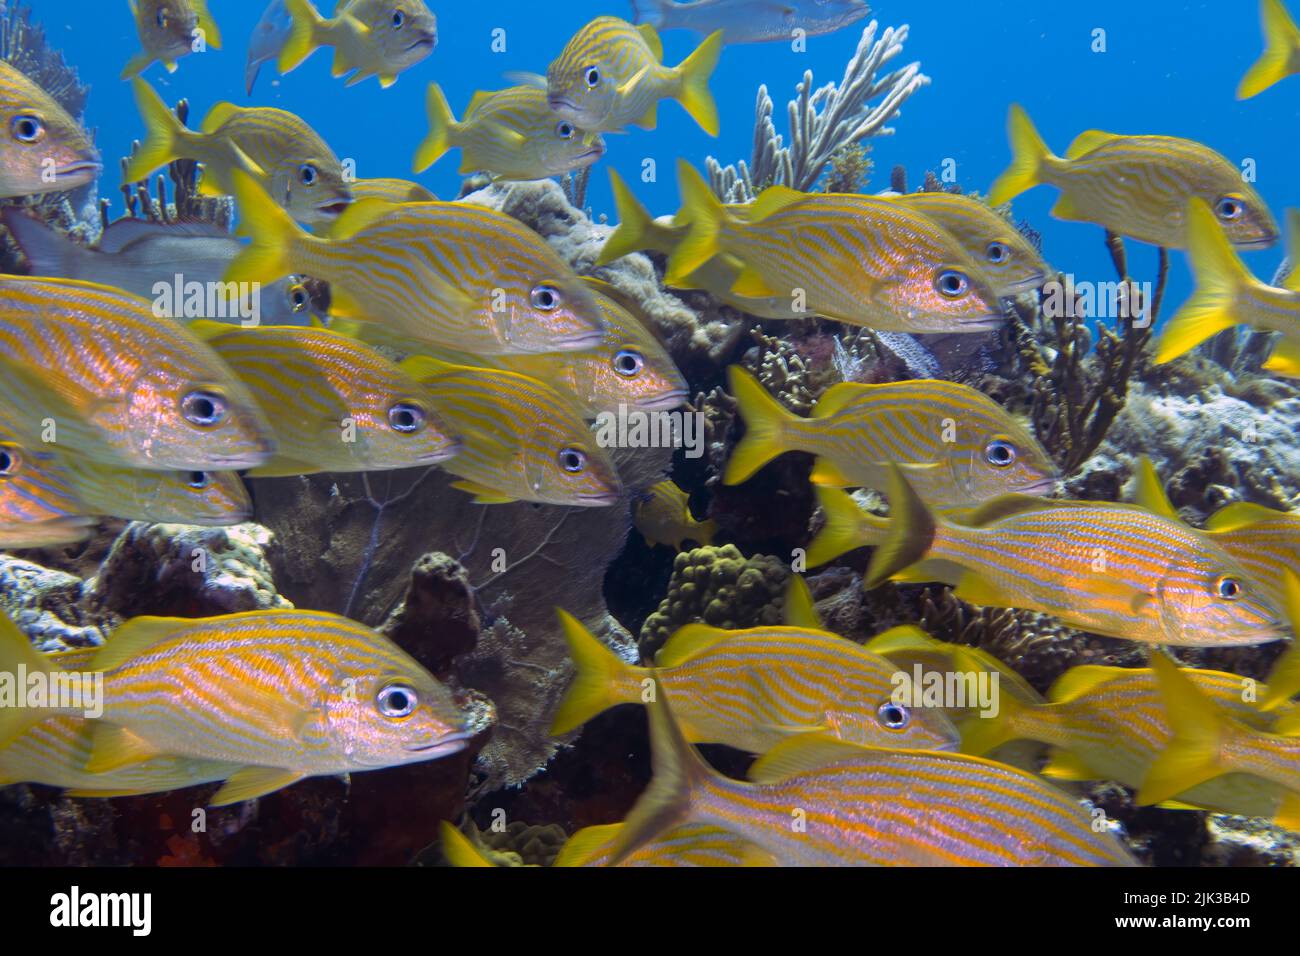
169 30
521 439
285 156
1136 186
958 446
512 134
39 506
46 150
335 405
611 74
663 516
1112 569
1281 56
857 259
212 498
391 190
371 37
751 689
1228 295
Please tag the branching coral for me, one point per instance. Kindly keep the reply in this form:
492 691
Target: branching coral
824 121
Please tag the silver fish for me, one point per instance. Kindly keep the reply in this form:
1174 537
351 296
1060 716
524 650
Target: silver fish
267 40
751 21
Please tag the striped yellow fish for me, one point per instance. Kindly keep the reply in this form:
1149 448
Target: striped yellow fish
169 30
282 153
1228 295
959 446
39 507
1108 723
612 75
857 259
521 439
638 230
283 694
1210 740
512 134
1135 186
823 802
54 754
371 37
334 404
91 369
391 190
1009 260
212 498
663 516
752 689
629 367
845 527
1111 569
46 150
1281 56
453 275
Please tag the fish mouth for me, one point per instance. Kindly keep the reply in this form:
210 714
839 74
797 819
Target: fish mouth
1044 486
333 207
1263 242
450 744
91 168
590 156
599 499
981 323
562 104
665 401
448 451
429 40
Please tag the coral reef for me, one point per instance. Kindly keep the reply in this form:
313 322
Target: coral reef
823 122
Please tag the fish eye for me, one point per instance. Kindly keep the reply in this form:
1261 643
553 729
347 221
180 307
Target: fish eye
564 131
546 297
203 409
628 363
399 19
894 716
406 418
298 298
572 460
28 128
307 173
1000 454
160 18
1229 208
997 252
1229 588
198 480
952 284
593 77
8 463
397 700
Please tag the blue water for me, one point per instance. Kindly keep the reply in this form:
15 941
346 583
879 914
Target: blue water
1169 68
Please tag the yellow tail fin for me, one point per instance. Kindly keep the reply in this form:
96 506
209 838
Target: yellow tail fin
635 224
275 235
458 849
910 537
694 74
1219 273
800 608
702 214
163 134
1151 490
1192 755
601 680
847 527
302 39
1284 679
1028 152
982 735
1281 41
441 121
766 421
16 652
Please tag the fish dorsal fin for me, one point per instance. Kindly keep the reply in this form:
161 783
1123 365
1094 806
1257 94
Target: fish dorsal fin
651 37
1004 507
800 608
1242 514
218 116
689 641
1069 766
249 783
586 843
208 330
422 368
1151 491
1089 140
359 215
802 754
772 200
837 397
135 637
523 78
114 747
904 639
125 233
1078 681
475 102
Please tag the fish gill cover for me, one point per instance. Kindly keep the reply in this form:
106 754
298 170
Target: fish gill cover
934 509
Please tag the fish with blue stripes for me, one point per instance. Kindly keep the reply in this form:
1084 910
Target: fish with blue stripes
169 30
611 75
382 38
45 150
